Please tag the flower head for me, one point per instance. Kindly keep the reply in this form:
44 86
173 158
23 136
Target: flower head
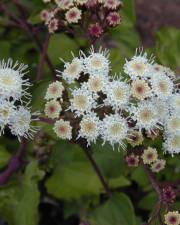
113 19
158 165
95 30
140 89
132 160
89 127
73 15
135 138
97 63
52 109
54 90
114 129
146 116
112 4
172 218
138 66
72 70
118 94
172 143
20 123
63 129
149 155
82 101
53 25
12 84
162 86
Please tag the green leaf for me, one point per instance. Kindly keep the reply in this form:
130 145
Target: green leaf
117 210
149 201
105 154
61 46
119 182
4 156
19 203
39 91
73 181
140 177
73 175
168 47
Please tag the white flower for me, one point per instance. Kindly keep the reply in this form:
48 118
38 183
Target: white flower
81 2
89 127
173 124
145 115
96 83
54 90
158 165
11 80
172 143
149 155
52 109
64 4
140 89
97 63
162 86
111 4
174 102
118 94
72 70
73 15
82 101
138 66
20 121
63 129
6 109
114 129
162 109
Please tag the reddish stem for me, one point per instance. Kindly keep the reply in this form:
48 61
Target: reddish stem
14 163
42 58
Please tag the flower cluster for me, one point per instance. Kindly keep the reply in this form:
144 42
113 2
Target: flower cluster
117 109
102 14
150 157
14 97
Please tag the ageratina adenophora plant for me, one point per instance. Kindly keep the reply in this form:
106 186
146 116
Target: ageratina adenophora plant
86 104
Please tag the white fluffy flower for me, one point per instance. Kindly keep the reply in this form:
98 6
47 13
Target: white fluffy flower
72 70
162 109
54 90
96 83
81 2
64 4
73 15
89 127
12 84
6 110
82 101
118 94
114 129
20 121
140 89
162 86
52 109
63 129
174 102
173 124
97 63
138 66
172 143
145 115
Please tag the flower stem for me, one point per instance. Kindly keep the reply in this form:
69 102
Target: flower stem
14 163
